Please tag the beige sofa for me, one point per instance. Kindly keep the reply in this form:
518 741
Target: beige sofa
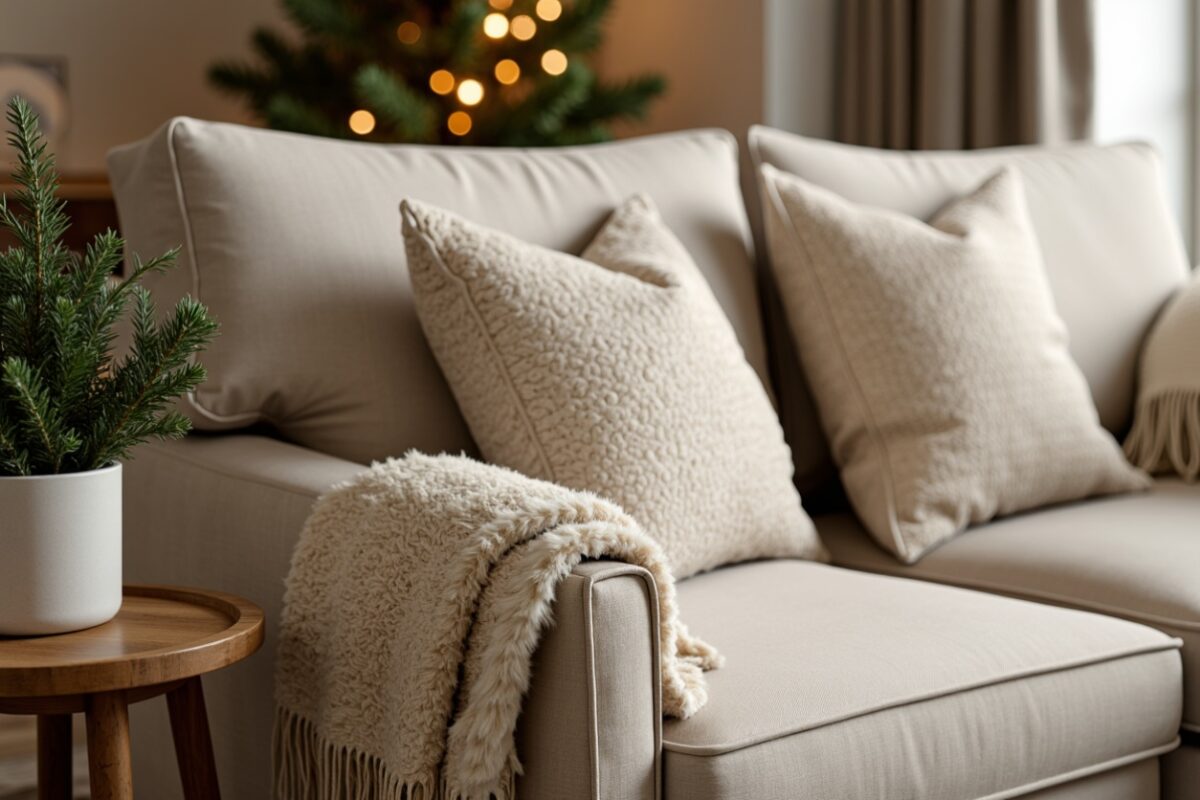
841 682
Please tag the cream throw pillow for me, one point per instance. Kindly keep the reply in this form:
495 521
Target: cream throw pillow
617 373
938 363
1166 425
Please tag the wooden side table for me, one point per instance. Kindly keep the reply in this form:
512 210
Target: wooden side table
161 642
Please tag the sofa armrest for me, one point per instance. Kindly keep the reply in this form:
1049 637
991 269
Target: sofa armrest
224 512
591 726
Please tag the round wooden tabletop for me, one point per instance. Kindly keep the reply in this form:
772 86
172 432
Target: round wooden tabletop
161 634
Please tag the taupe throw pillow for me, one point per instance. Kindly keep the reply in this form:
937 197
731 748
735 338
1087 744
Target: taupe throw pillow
617 373
938 363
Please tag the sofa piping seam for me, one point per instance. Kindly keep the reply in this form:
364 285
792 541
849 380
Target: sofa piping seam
655 668
593 705
709 751
243 417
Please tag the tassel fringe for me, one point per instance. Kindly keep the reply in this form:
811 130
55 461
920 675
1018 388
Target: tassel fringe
1166 434
309 768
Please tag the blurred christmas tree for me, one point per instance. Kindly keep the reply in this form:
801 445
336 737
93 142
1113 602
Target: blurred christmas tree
501 72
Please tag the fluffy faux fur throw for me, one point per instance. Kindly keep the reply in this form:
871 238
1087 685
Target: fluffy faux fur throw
416 597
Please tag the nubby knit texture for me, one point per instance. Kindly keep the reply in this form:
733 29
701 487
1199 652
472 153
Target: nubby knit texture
938 362
617 373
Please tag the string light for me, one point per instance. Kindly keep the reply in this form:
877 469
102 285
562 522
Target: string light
549 10
470 92
459 123
409 32
554 62
442 81
508 71
362 122
501 5
522 27
495 26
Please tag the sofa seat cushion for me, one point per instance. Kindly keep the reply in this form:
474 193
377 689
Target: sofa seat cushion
1134 556
843 684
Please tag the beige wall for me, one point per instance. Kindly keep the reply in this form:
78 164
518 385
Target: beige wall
131 64
710 51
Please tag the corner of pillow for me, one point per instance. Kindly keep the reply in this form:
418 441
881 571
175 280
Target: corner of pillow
642 202
412 213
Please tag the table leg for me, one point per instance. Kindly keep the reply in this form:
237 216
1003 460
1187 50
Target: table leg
54 756
193 743
108 747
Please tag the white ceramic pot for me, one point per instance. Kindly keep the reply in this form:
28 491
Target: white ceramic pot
60 551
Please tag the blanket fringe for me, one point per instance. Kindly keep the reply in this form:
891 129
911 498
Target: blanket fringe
307 767
1166 433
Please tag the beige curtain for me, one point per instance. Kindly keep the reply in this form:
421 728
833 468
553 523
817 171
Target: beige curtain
957 74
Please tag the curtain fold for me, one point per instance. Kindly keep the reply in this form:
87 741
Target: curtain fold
960 74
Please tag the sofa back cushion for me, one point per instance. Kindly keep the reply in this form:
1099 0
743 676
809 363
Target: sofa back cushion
294 244
1112 251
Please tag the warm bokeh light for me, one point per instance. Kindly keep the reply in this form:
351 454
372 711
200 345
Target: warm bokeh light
409 32
522 27
442 81
554 62
470 92
549 10
362 122
508 71
459 123
495 26
501 5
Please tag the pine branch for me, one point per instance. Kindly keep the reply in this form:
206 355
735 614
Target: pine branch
386 93
541 116
63 406
155 372
44 218
286 113
273 49
458 37
13 458
43 422
579 29
234 77
323 18
608 102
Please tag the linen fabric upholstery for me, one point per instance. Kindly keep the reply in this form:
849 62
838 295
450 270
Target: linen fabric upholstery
909 689
235 505
939 365
1131 556
292 242
617 373
1166 427
1112 251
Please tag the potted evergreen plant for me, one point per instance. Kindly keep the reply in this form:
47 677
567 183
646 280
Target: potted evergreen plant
71 408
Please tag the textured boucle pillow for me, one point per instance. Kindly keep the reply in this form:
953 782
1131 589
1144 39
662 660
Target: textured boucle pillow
938 363
616 372
1166 425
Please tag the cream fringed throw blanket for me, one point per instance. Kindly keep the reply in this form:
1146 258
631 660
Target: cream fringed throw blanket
418 571
1166 425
